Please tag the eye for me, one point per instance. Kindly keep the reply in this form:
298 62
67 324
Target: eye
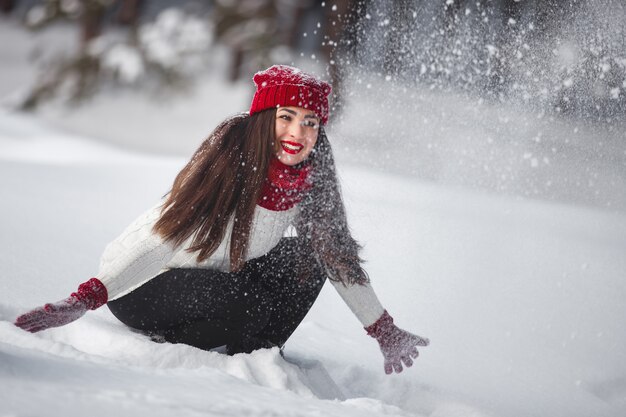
309 123
285 117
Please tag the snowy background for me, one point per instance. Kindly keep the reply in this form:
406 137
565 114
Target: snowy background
493 228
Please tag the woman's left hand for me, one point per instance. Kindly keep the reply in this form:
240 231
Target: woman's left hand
397 346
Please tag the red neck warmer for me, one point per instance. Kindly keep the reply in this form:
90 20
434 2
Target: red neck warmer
284 186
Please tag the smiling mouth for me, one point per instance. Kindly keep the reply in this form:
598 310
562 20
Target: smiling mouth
291 147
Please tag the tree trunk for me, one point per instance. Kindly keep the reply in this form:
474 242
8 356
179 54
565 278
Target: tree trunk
340 42
91 21
7 6
130 11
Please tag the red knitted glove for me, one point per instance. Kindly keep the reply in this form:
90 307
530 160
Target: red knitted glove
90 295
396 344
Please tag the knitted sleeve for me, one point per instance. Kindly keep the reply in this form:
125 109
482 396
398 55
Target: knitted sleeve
135 257
362 300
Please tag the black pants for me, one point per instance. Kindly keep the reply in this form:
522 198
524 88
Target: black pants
266 300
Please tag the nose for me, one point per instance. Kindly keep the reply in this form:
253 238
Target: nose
296 130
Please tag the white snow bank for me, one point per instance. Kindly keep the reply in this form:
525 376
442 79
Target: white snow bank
520 299
25 139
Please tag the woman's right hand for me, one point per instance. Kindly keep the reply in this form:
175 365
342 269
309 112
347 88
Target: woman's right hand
52 315
90 295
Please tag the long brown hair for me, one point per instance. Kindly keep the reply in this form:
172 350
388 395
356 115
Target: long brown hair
323 219
223 181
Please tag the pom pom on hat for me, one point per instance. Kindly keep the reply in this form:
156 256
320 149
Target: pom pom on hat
282 85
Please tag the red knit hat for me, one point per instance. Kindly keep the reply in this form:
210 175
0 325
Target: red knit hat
282 85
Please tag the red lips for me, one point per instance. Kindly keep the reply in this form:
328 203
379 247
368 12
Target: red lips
291 147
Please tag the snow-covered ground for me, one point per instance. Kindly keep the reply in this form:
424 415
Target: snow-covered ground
522 299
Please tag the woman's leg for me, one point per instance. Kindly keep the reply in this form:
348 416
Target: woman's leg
202 308
258 307
293 279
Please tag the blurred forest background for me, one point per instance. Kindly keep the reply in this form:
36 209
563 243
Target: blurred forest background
566 55
489 92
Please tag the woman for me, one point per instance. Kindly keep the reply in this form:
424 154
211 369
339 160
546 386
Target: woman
209 266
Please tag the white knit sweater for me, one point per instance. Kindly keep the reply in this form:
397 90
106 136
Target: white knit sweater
138 255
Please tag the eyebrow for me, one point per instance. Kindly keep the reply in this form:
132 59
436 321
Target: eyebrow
306 116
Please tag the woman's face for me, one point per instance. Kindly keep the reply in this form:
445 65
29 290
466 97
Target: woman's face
296 134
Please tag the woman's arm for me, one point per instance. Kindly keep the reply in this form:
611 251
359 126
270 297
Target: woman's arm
134 257
130 260
362 300
397 346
